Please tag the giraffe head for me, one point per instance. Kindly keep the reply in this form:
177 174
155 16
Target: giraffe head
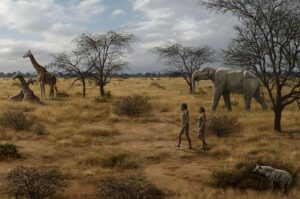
27 54
17 75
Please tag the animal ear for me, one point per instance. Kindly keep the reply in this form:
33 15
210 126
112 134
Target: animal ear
210 72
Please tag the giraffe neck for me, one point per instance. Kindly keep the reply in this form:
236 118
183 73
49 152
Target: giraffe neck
37 66
24 85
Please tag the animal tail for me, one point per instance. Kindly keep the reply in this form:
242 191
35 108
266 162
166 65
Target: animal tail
55 88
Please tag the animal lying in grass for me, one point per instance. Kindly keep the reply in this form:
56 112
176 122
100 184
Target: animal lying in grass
283 178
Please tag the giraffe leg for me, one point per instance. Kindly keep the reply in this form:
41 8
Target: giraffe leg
43 90
41 87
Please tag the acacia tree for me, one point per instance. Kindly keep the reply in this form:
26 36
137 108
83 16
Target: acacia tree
185 60
268 43
104 53
76 66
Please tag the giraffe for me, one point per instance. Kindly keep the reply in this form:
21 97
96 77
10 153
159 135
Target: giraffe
19 97
27 92
43 76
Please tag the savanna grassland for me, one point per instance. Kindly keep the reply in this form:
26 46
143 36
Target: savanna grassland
81 133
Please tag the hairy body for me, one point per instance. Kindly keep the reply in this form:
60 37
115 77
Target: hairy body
283 178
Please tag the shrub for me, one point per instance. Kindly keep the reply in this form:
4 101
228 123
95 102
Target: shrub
223 125
127 186
132 106
39 129
8 151
121 161
16 119
30 183
242 176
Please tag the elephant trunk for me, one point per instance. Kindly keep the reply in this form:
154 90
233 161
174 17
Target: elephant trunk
194 77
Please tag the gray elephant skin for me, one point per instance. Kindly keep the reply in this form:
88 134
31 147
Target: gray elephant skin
228 81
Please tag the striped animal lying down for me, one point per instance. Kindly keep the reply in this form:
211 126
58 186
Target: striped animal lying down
283 178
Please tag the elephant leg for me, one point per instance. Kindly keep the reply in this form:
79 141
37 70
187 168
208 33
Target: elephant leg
51 92
260 100
216 99
247 102
226 97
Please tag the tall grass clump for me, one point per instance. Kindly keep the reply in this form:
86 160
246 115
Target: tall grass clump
223 125
62 94
127 186
242 176
119 160
8 151
132 106
30 183
16 119
104 99
157 85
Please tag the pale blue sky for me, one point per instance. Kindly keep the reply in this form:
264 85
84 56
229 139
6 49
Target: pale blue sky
48 26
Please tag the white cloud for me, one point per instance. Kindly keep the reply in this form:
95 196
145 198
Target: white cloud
50 24
171 21
85 9
118 13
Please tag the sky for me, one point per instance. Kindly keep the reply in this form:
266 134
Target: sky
49 26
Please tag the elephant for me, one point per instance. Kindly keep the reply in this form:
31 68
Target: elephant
228 81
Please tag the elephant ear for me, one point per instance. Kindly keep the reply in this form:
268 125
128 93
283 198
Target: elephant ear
211 72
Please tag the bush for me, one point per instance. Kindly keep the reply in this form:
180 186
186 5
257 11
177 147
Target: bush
132 106
8 151
121 161
223 125
242 176
16 119
30 183
127 186
39 129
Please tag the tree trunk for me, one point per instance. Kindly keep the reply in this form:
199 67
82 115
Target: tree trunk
102 92
83 88
277 119
191 88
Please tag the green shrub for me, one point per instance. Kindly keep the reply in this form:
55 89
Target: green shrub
121 161
242 176
132 106
127 186
30 183
8 151
223 125
16 119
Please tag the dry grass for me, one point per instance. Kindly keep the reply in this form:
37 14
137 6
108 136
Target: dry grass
83 136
